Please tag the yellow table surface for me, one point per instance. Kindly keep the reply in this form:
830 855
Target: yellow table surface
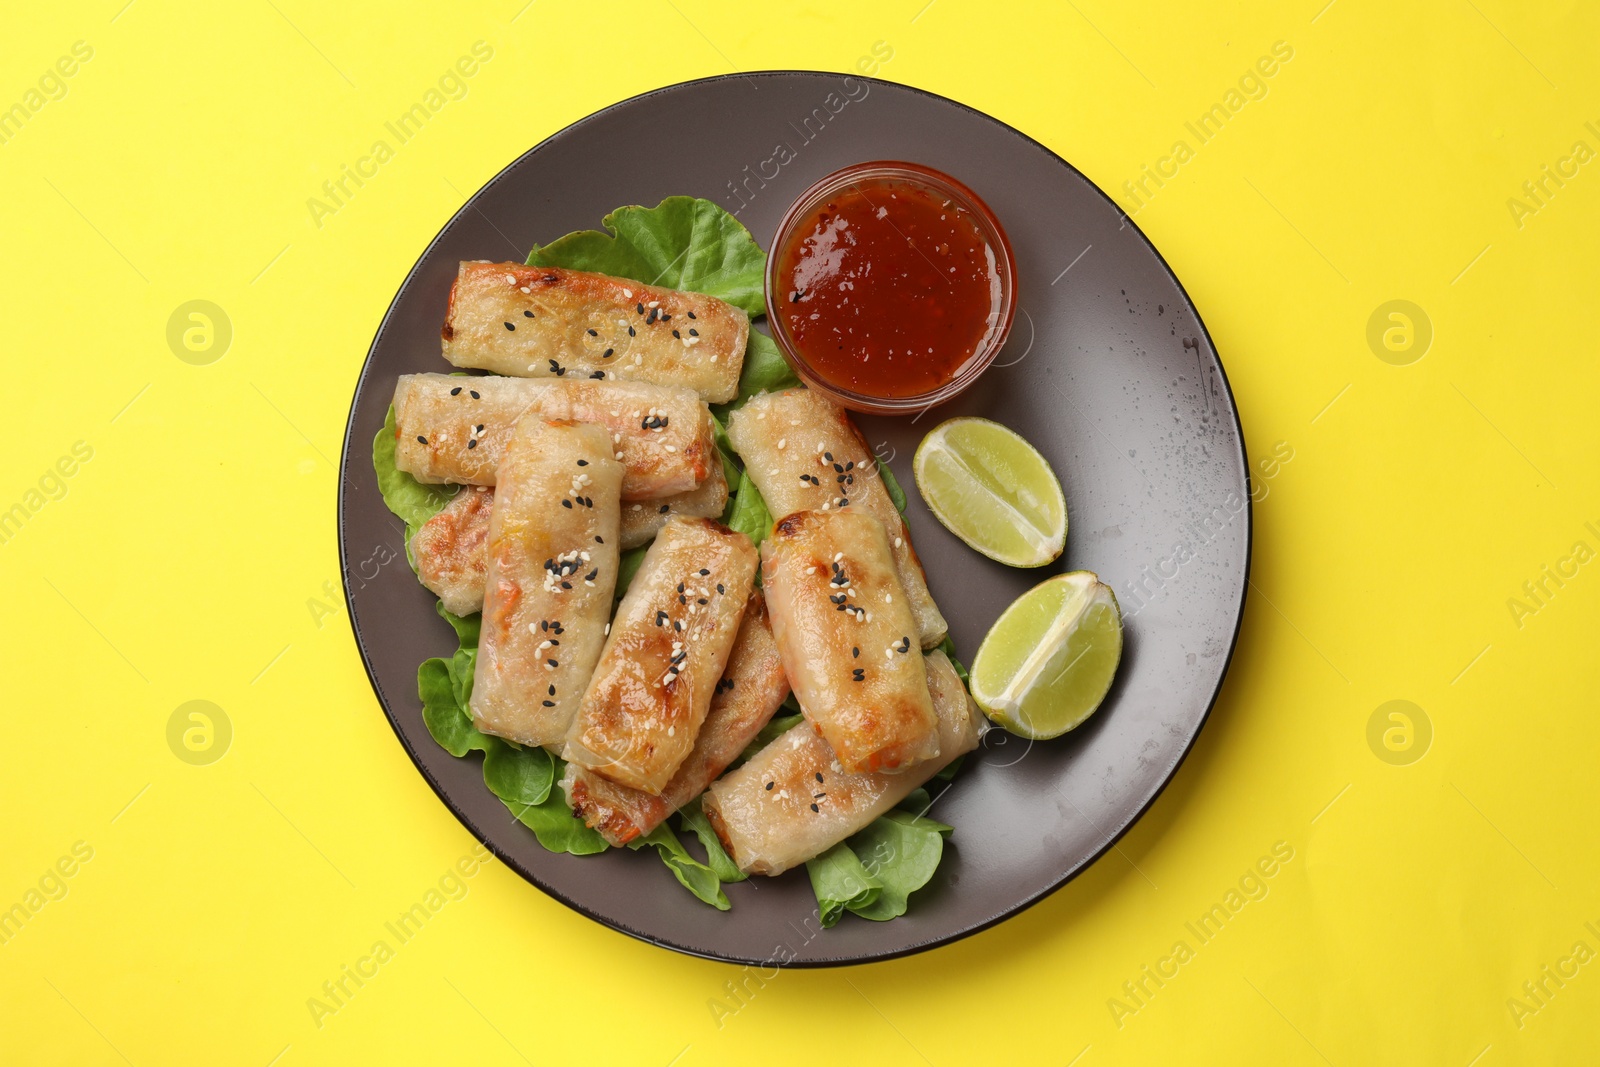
1431 541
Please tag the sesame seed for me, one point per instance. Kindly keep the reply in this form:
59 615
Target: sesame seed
898 541
671 448
473 393
583 463
471 444
525 289
456 391
855 653
815 808
421 439
511 326
567 504
770 785
511 279
593 333
782 441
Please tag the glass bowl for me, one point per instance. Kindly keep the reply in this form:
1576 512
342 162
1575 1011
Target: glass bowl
1003 304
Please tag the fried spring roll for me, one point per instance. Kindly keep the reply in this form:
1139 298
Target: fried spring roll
803 452
752 688
643 520
791 802
452 554
538 322
450 428
669 643
847 638
451 550
552 569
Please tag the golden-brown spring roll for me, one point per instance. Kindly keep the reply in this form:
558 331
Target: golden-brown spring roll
669 643
642 520
451 550
847 638
752 688
803 452
791 802
450 428
539 322
552 570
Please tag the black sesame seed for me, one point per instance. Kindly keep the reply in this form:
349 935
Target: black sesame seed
456 391
677 625
828 456
607 353
639 308
553 663
591 575
678 335
680 587
552 690
597 375
819 776
631 332
855 653
567 504
583 463
473 393
566 585
691 314
702 600
663 509
548 703
421 439
509 326
704 572
599 540
692 331
544 624
815 808
593 334
769 786
720 590
472 444
527 314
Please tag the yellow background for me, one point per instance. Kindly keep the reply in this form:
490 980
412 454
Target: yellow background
184 559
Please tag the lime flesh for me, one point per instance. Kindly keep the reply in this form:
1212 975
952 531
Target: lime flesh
1048 661
993 490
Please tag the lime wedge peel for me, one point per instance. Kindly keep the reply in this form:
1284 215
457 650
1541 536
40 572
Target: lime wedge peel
1049 660
992 489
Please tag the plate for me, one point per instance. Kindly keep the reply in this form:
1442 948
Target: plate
1108 371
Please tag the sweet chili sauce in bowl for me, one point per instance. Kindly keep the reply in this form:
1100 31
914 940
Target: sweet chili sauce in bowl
891 287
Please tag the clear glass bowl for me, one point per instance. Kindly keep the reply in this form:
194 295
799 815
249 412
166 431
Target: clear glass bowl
1002 311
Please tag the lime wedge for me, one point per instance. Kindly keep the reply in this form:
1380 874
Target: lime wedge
1048 661
993 490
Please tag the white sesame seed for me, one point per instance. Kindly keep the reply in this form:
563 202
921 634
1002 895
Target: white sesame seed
782 441
670 448
608 627
898 541
760 415
512 278
619 455
543 645
525 289
653 304
636 507
671 730
888 598
837 556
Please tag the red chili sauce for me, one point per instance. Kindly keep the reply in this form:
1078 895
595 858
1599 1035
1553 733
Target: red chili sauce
888 288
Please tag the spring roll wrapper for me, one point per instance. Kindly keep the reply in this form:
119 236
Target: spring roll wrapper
763 811
786 440
445 434
551 573
752 688
666 652
451 549
847 638
542 322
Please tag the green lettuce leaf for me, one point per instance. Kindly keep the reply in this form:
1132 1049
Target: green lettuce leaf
518 775
765 370
465 626
695 876
749 515
681 243
949 770
730 467
445 718
553 823
896 494
841 883
899 851
693 818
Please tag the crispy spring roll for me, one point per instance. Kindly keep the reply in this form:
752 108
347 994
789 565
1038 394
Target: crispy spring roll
552 569
847 638
643 520
803 452
538 322
752 688
453 429
791 802
452 554
669 643
451 550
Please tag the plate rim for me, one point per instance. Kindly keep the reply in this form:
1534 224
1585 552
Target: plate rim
844 960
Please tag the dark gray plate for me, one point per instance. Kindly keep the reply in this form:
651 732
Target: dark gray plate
1109 372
